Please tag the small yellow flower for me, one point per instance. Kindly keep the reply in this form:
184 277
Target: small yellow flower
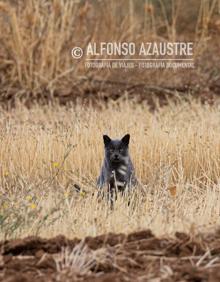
66 194
5 173
82 193
29 198
33 206
56 164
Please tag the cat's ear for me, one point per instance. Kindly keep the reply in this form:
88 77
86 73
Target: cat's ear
125 139
106 140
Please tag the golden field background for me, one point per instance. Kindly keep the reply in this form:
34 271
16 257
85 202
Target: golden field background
45 150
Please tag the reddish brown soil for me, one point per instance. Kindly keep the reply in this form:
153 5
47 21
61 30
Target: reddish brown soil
138 256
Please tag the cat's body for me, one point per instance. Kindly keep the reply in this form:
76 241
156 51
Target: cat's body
117 172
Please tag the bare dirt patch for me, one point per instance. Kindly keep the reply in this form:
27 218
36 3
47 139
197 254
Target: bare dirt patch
139 256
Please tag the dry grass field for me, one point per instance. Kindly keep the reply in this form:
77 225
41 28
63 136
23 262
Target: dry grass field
53 113
45 150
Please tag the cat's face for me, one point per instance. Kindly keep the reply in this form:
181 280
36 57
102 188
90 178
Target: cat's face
116 151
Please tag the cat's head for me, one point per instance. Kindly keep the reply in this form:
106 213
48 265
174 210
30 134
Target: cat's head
116 151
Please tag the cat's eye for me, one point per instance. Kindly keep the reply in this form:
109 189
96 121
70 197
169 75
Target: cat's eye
120 150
